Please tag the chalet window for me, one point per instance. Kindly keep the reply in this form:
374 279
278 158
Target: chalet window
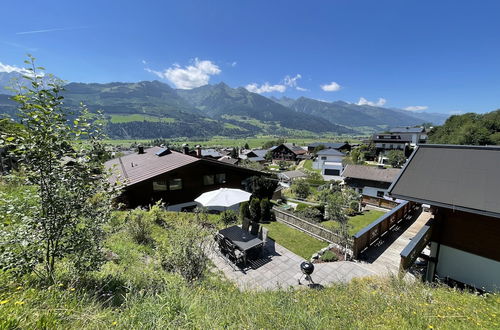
383 145
380 193
323 158
175 184
160 185
220 178
208 180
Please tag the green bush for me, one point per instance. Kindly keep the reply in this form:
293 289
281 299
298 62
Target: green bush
183 252
244 211
255 211
329 256
139 225
265 210
228 217
311 213
301 189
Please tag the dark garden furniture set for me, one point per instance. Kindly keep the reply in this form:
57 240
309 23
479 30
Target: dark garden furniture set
238 245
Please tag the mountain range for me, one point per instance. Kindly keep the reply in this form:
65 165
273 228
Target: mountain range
152 109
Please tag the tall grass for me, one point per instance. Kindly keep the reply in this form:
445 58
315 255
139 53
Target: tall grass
134 291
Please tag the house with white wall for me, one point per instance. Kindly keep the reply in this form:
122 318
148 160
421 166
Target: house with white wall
329 161
371 181
461 184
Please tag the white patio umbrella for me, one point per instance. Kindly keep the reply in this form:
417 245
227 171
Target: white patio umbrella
223 197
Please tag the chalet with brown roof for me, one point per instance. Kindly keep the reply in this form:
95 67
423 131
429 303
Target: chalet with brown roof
288 151
175 178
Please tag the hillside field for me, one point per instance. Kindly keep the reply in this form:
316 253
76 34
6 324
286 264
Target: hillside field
134 291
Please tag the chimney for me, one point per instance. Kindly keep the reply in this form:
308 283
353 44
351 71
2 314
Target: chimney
140 150
185 149
198 151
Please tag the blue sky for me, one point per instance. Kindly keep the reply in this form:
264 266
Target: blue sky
443 56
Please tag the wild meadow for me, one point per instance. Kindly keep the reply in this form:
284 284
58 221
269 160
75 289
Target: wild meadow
135 288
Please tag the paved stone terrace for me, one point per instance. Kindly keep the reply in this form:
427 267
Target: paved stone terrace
280 268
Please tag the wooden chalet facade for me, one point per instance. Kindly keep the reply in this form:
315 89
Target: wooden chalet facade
173 177
288 152
462 186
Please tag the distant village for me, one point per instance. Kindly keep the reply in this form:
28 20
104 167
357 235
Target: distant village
228 167
444 197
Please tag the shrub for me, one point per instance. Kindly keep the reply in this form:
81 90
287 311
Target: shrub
157 214
183 252
301 189
244 211
311 213
228 217
139 225
265 210
329 256
255 211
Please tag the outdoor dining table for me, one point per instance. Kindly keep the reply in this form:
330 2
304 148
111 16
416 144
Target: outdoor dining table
243 240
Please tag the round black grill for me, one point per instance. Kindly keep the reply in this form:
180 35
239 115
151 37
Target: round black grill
307 268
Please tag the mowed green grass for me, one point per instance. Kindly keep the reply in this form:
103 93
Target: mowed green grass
357 222
119 119
294 240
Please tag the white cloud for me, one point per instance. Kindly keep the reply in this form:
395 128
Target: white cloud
331 87
265 88
416 108
381 101
144 62
292 82
281 87
12 68
191 76
234 64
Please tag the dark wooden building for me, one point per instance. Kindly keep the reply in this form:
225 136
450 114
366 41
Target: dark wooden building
462 185
288 151
175 178
339 146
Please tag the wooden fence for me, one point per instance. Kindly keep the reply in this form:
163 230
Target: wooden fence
308 226
366 236
380 202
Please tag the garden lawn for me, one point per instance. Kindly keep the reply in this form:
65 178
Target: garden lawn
308 165
357 222
294 240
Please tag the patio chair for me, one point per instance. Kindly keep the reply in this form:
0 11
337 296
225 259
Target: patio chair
263 235
235 255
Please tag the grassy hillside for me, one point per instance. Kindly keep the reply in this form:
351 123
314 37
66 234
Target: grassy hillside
134 291
118 118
